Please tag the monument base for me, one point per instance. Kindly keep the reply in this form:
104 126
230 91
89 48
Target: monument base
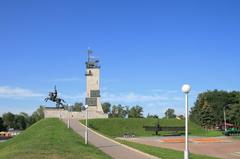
64 114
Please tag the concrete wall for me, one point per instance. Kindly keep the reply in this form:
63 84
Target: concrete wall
61 113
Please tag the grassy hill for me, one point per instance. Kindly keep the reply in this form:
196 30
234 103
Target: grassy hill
116 127
48 139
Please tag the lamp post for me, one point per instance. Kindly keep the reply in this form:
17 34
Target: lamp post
68 116
86 125
224 116
60 115
186 89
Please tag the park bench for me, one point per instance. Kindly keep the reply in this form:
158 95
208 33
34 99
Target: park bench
173 129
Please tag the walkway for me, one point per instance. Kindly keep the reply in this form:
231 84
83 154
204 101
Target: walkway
220 147
109 146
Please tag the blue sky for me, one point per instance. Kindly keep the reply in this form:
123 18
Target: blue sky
148 49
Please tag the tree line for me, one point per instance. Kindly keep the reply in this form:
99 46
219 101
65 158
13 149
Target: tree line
209 107
119 111
20 121
206 112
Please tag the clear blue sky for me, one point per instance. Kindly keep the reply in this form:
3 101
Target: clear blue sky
148 49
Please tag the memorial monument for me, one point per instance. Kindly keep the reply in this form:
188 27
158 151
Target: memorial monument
93 83
92 95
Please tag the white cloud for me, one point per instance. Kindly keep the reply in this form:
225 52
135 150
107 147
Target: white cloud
70 79
129 97
132 97
165 91
6 91
76 97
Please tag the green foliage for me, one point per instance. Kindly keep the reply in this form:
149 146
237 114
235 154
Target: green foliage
152 116
233 114
135 112
8 120
170 113
208 108
22 120
162 152
77 107
106 107
2 126
116 127
37 115
48 138
118 111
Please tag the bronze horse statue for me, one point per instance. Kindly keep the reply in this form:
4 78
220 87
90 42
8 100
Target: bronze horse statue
52 96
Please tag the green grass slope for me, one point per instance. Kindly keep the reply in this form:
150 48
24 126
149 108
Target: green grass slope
49 139
116 127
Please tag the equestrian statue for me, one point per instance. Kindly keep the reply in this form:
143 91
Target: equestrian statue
53 96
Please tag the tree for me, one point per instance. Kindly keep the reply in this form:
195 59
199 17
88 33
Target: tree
106 107
2 127
8 120
152 116
208 108
78 107
170 113
20 122
118 111
26 118
135 112
233 114
37 115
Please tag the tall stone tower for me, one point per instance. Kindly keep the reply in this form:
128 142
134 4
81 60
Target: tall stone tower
93 83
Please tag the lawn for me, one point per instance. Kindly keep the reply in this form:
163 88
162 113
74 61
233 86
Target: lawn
162 152
116 127
49 139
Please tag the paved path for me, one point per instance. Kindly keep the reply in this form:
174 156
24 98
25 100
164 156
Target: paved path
229 149
110 147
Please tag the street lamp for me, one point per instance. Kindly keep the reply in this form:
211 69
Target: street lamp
86 125
224 116
186 88
68 116
60 114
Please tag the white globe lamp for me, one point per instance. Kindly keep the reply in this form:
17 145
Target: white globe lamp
186 88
